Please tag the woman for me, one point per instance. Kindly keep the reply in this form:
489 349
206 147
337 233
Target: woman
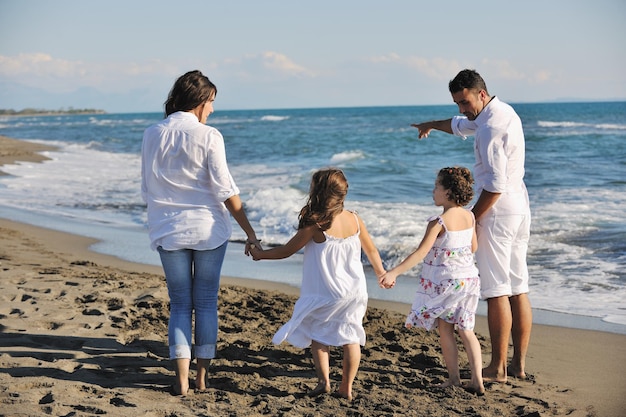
190 194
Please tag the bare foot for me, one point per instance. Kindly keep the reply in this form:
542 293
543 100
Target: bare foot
177 391
322 388
479 390
201 385
493 376
449 383
345 396
516 373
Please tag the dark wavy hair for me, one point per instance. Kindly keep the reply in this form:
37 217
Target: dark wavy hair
327 193
189 91
469 79
459 182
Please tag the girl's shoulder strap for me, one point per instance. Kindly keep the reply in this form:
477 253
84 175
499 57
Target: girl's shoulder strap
473 217
356 218
439 220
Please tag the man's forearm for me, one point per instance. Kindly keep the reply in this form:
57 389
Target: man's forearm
486 200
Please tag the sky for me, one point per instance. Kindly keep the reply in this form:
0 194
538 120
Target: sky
124 56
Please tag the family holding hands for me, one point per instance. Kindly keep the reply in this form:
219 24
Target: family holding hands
464 254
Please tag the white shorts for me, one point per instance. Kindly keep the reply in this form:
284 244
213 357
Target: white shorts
501 254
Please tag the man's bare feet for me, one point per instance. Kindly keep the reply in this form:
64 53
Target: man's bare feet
492 376
515 373
321 388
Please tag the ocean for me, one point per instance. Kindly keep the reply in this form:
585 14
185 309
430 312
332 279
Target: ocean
575 174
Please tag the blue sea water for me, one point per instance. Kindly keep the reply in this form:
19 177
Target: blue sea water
575 173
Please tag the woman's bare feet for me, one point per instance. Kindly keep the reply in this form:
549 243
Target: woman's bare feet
179 391
201 385
202 375
321 388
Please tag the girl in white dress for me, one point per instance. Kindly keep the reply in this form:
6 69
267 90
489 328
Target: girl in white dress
333 296
449 286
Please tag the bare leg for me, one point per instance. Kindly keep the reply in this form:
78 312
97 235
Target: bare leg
500 320
182 376
351 361
450 353
321 360
522 325
474 356
201 376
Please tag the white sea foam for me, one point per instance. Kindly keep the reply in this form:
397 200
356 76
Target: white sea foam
84 182
576 252
271 118
571 124
348 156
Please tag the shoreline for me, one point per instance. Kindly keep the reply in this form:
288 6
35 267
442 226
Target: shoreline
585 367
86 331
25 152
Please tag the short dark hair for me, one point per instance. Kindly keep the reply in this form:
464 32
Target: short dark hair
190 90
469 79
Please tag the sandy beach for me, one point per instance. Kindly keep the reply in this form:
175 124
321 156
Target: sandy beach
85 334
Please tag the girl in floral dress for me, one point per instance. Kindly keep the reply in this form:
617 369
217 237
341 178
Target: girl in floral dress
449 286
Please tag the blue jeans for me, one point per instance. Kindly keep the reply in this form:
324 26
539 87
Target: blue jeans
193 282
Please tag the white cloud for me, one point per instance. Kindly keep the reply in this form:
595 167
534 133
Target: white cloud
39 64
502 69
44 71
40 70
435 68
268 65
281 63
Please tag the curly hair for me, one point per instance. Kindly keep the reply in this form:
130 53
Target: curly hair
327 193
188 92
459 182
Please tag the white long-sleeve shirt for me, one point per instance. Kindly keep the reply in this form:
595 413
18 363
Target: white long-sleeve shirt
499 148
185 181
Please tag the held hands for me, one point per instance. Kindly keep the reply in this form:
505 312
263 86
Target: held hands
253 244
254 248
387 280
423 129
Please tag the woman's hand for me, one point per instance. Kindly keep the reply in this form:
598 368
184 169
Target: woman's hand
256 252
251 244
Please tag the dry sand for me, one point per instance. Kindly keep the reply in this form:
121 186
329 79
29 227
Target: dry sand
84 334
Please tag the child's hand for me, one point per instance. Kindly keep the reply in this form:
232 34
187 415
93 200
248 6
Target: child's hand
256 252
387 280
256 243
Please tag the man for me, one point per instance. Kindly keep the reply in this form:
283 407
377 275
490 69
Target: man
502 216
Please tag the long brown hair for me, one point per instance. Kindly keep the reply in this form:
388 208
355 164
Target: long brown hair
328 191
189 91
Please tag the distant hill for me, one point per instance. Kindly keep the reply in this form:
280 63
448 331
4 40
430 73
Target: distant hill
43 112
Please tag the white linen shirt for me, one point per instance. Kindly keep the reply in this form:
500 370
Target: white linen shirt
499 148
185 181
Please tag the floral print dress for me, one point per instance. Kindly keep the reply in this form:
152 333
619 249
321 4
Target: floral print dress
449 286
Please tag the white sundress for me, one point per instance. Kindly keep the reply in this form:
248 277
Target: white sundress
333 296
449 285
